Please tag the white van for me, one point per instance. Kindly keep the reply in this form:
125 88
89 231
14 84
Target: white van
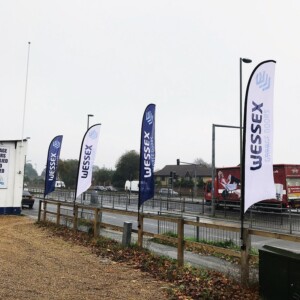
132 186
59 184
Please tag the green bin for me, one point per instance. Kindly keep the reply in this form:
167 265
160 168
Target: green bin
279 274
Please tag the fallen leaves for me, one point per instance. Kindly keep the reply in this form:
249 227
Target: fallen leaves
188 282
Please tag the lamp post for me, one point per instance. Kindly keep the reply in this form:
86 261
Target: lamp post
246 61
88 120
88 126
195 173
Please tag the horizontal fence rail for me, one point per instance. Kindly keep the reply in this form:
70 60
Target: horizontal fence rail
281 220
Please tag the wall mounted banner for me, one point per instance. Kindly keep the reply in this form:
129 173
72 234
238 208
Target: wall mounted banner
52 164
4 163
86 160
147 155
258 136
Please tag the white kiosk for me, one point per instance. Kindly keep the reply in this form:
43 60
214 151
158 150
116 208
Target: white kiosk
12 163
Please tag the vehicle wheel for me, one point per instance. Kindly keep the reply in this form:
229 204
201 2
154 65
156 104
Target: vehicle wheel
31 206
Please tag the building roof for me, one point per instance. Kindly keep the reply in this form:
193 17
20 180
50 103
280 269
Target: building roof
185 170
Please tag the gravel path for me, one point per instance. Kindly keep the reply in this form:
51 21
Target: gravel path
36 265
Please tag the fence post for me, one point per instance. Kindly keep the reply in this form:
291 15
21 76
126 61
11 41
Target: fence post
126 237
75 219
40 210
58 214
96 223
197 230
180 239
140 230
290 220
245 258
45 211
158 223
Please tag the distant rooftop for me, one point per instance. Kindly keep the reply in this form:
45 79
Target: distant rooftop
185 170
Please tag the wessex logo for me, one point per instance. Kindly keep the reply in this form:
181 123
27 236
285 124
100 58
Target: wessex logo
86 161
149 117
52 166
56 144
147 155
256 140
263 81
93 134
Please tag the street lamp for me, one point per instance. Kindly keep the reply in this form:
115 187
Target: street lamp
195 176
88 120
246 61
88 126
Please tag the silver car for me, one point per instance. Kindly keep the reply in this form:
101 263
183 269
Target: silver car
167 192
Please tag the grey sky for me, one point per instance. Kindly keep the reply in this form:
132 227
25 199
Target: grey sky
113 58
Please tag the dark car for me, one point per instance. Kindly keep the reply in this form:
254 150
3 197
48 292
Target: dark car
27 199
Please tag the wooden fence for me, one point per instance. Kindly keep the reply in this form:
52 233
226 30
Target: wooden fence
243 254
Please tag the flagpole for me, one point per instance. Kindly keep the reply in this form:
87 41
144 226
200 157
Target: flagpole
242 60
78 170
140 177
45 185
25 95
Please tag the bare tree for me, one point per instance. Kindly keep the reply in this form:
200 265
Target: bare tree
202 162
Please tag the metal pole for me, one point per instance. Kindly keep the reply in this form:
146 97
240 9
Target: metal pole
213 173
195 182
88 120
245 60
25 96
241 138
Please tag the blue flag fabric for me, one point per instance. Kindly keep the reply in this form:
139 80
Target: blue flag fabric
52 164
147 155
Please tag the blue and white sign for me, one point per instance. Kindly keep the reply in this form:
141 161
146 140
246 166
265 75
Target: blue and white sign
4 163
147 155
52 164
258 136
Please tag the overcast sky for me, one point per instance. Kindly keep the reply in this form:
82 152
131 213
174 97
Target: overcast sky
112 58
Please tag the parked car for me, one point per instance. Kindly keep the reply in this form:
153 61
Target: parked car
99 188
27 199
111 188
59 184
167 192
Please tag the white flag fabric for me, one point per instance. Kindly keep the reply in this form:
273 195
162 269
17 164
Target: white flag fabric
87 157
258 136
